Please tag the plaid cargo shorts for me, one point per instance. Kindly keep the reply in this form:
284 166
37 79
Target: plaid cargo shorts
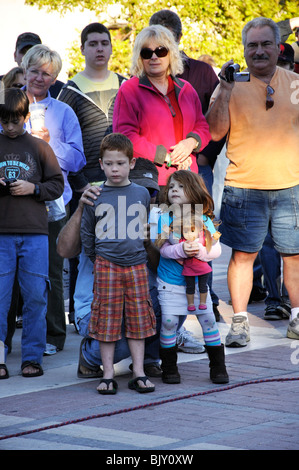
121 291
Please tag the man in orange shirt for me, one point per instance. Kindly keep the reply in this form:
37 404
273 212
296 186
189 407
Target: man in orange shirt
261 193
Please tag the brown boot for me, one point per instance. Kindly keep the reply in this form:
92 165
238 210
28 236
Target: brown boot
218 373
170 373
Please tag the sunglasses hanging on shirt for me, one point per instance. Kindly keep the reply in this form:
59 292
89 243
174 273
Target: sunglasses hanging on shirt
269 99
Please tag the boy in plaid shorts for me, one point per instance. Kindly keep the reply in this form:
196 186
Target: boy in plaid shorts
112 236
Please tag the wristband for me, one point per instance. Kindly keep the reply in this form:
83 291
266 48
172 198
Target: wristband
36 190
222 77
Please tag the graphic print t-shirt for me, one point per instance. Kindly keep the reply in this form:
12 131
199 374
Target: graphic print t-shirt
30 159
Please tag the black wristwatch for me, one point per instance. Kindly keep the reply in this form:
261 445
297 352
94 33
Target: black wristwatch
36 190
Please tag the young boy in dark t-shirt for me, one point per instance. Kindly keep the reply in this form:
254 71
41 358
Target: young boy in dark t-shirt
29 176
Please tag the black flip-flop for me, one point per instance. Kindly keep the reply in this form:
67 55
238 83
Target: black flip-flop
133 385
34 364
107 391
6 376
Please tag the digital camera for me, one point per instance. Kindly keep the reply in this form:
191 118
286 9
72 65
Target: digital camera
233 74
7 181
4 190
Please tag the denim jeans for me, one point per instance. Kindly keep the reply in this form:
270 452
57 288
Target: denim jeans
152 344
248 214
26 254
206 173
271 268
91 347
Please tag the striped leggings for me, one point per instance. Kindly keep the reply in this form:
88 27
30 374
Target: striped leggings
207 321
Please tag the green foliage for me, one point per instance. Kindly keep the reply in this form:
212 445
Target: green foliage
209 26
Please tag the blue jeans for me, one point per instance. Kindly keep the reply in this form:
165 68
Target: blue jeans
206 173
26 255
271 268
91 347
152 344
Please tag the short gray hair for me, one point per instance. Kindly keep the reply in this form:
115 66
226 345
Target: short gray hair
39 55
165 38
260 22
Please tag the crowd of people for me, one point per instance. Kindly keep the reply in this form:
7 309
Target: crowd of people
115 175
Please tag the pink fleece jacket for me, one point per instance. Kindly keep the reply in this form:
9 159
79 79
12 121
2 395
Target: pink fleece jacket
142 114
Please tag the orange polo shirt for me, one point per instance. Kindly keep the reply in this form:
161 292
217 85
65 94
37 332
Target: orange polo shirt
263 145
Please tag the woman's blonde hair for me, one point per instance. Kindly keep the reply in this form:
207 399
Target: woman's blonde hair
10 78
164 37
40 55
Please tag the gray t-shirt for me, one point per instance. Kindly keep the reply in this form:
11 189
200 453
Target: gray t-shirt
114 227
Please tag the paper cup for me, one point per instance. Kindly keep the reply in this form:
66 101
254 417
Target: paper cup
37 116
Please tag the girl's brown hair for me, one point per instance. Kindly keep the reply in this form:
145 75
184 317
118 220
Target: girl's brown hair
196 192
194 189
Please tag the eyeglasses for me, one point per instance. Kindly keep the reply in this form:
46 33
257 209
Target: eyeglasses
147 53
269 99
45 76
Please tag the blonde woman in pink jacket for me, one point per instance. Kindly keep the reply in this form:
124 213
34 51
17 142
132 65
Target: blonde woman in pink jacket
160 113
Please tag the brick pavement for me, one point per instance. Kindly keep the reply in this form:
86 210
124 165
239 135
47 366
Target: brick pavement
256 411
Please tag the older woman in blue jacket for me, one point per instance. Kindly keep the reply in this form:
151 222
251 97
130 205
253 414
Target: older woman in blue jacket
63 133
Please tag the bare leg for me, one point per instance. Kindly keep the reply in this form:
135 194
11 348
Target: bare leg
107 355
240 278
291 277
291 280
137 353
203 297
190 299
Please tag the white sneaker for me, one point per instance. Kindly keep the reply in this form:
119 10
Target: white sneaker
188 344
238 335
293 328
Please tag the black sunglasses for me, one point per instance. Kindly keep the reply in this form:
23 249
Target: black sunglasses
147 53
269 99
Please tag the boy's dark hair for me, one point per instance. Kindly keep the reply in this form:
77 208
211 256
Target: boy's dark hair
93 28
14 103
118 142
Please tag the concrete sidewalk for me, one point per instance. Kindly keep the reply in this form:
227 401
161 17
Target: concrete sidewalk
257 410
